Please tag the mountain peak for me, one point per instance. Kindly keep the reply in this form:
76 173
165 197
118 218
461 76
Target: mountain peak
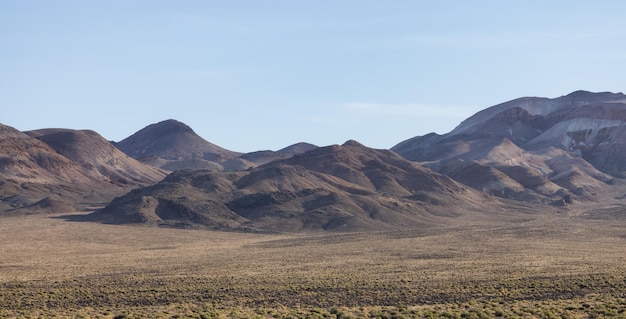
353 143
171 126
172 140
594 96
330 188
297 148
78 166
522 139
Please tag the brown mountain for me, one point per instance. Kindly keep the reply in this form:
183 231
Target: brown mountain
68 168
336 188
296 149
172 145
169 142
572 145
376 170
97 157
26 159
264 157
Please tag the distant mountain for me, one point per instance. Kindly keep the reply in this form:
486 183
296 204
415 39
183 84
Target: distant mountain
572 145
172 140
335 188
172 145
30 169
264 157
375 170
97 157
534 150
296 149
55 169
27 159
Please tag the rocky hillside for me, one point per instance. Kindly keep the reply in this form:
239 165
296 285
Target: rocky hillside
172 145
171 140
97 157
264 157
335 188
532 148
58 169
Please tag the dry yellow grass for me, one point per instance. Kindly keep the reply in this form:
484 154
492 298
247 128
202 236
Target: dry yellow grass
559 264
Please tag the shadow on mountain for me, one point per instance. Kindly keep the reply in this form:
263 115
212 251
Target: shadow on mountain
337 188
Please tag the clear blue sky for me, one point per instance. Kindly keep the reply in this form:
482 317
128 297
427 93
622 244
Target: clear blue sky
252 75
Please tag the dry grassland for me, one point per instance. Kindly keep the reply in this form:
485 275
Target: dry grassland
555 266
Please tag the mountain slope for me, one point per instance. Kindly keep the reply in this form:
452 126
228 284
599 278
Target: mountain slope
172 140
378 170
574 141
26 159
522 121
70 169
97 157
264 157
172 145
334 188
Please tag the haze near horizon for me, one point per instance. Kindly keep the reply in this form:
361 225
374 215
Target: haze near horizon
250 75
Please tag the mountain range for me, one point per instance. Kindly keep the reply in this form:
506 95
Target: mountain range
340 187
60 170
533 147
172 145
530 152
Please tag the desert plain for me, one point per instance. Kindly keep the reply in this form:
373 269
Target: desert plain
556 264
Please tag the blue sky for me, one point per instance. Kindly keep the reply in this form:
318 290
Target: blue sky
252 75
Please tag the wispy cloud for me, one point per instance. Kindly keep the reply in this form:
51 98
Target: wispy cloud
409 109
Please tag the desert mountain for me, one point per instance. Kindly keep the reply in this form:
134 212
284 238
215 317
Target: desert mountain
169 142
97 157
53 169
264 157
335 188
172 145
27 159
533 147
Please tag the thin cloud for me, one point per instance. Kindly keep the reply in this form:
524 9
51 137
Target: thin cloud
409 109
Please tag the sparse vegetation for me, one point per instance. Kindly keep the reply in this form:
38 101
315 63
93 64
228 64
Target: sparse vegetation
544 268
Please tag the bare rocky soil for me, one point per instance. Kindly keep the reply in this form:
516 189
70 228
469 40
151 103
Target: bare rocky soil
554 264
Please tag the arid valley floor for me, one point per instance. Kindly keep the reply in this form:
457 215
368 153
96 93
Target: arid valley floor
551 265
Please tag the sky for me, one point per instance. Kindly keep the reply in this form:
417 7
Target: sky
257 75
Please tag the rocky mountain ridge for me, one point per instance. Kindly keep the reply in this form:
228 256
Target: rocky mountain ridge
575 142
172 145
172 140
64 169
345 187
564 151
